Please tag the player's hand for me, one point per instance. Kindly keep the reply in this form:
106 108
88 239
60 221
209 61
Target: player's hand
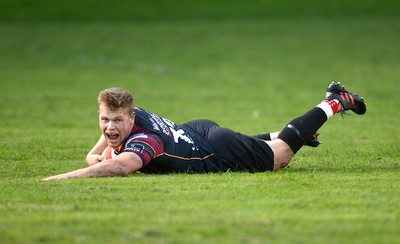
94 159
54 177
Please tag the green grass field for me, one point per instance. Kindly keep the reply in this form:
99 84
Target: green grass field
249 65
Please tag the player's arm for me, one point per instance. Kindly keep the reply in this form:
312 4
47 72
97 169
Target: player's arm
94 156
123 164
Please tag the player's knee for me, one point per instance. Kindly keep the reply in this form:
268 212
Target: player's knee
282 153
279 164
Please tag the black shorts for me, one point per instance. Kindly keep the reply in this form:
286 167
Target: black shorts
235 151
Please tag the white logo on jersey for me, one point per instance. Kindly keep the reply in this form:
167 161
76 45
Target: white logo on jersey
159 124
181 134
169 122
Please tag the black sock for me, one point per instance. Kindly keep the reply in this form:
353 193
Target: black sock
301 129
265 137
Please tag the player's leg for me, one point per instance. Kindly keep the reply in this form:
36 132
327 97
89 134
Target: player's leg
282 153
269 136
200 125
239 152
272 136
301 129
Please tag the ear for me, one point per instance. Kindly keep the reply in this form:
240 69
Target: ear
132 118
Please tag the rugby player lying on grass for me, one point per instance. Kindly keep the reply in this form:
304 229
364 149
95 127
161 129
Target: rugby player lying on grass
134 139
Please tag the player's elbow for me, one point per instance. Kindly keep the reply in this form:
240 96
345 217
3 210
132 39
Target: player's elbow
123 169
124 164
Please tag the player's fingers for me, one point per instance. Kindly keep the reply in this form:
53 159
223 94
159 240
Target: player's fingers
94 159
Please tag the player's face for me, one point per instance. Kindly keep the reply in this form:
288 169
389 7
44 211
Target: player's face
115 125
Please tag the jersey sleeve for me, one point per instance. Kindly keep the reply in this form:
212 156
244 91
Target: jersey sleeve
146 145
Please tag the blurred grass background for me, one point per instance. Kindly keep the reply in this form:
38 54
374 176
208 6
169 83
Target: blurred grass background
154 10
249 65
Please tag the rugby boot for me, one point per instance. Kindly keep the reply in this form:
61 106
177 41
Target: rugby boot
348 100
313 142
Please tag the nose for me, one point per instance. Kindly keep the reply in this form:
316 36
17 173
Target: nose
110 125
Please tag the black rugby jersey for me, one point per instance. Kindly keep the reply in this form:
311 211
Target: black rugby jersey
184 149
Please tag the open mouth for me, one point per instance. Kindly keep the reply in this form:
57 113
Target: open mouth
112 136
